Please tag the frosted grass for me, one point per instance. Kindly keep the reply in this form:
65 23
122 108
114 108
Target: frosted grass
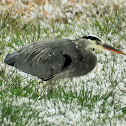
95 99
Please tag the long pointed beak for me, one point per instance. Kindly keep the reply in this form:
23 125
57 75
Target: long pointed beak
108 47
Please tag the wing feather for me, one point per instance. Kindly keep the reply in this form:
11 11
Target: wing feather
45 59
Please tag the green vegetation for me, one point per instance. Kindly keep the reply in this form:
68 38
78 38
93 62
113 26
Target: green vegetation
97 98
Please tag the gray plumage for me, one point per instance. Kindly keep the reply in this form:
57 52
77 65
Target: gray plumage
54 59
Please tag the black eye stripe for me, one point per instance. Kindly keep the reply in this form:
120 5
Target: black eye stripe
92 38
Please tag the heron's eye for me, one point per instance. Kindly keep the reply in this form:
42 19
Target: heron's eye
97 43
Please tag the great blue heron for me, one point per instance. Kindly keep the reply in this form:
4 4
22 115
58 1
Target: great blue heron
58 58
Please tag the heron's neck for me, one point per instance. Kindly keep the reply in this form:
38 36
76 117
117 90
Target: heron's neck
81 44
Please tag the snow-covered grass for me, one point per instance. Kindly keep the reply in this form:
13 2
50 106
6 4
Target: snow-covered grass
96 99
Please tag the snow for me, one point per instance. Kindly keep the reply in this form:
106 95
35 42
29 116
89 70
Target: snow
101 81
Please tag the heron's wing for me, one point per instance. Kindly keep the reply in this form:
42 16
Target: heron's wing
45 59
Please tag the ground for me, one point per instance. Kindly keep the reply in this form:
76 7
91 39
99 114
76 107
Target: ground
96 99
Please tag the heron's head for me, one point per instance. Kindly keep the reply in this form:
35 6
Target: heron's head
94 42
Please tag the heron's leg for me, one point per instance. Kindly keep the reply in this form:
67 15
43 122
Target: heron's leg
48 87
51 86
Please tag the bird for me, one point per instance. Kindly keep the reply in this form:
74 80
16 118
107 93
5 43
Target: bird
54 59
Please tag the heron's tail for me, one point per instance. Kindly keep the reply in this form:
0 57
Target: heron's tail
11 58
